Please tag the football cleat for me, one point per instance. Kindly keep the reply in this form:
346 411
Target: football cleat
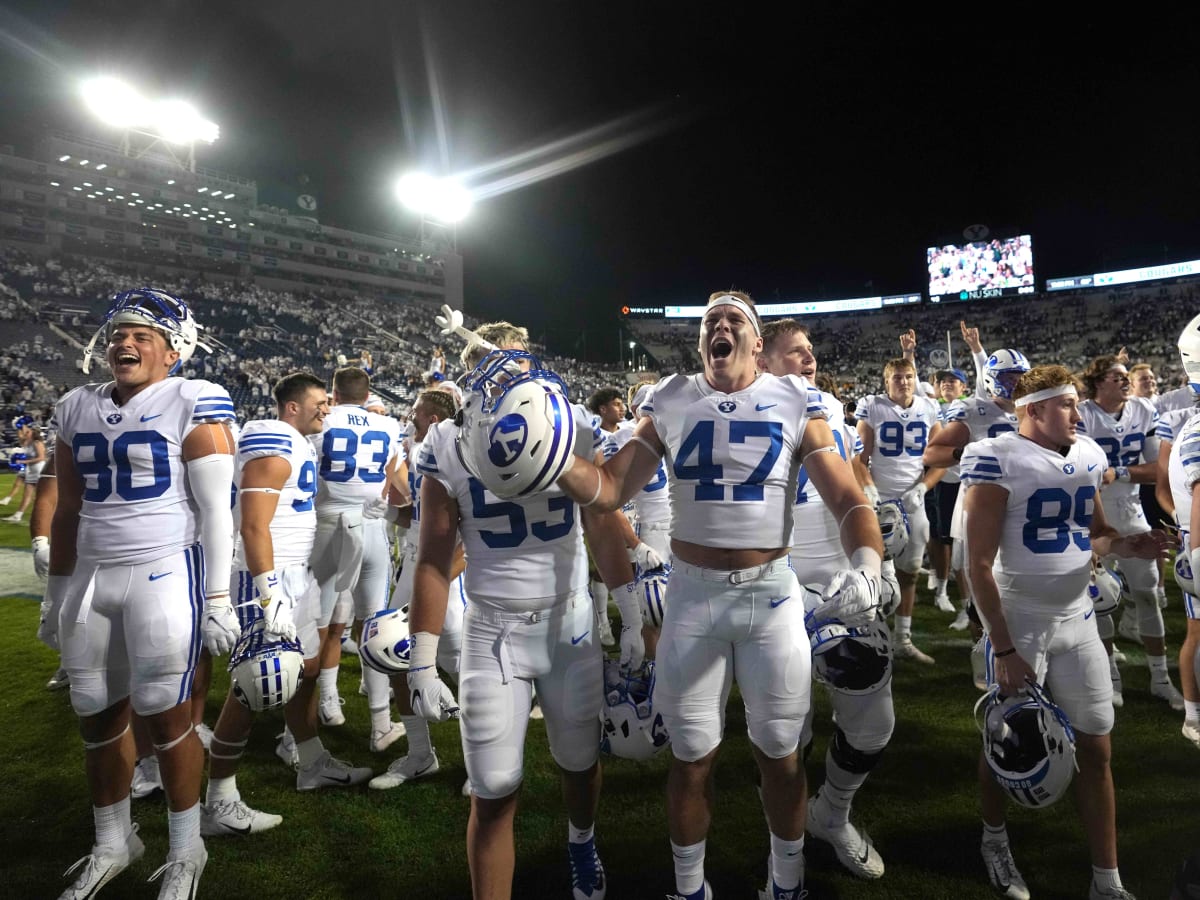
407 768
852 845
59 680
146 777
234 817
381 740
101 866
181 877
904 648
587 872
1164 690
1110 893
330 710
942 602
706 893
329 772
1002 870
961 622
1191 731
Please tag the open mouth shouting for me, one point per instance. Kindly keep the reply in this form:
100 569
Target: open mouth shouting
720 348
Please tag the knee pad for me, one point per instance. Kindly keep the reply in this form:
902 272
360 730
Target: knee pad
572 716
1149 615
776 738
852 759
865 721
1106 628
156 695
492 751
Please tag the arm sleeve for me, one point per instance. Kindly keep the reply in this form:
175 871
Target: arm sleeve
211 480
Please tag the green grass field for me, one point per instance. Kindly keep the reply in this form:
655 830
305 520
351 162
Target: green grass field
919 805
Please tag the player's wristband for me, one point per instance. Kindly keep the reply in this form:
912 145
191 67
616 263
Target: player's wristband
1003 653
266 583
423 652
1123 473
41 542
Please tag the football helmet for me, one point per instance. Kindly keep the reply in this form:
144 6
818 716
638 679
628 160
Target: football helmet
859 661
264 672
999 364
1189 353
889 592
632 728
385 644
893 525
1104 590
155 309
1029 745
518 430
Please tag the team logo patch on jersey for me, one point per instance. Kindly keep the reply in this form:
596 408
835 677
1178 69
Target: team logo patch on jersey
507 439
726 406
1069 469
113 418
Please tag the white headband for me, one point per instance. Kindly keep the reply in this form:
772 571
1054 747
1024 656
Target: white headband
1046 394
738 302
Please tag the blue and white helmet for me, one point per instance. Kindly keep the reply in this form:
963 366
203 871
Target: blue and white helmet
631 728
1029 745
1189 353
385 643
155 309
1000 364
265 671
1104 589
849 660
518 428
893 527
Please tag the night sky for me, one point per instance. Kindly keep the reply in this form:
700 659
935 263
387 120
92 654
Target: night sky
805 156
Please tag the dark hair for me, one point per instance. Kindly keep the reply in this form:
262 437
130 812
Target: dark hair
603 397
1097 370
294 387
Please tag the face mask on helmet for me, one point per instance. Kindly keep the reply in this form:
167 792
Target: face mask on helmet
1001 371
1189 353
852 660
1029 745
265 673
894 527
518 430
632 728
1104 590
153 309
385 644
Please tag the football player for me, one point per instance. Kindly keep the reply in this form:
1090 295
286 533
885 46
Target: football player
734 440
142 537
1034 517
529 622
1121 424
359 455
863 719
894 428
421 760
276 477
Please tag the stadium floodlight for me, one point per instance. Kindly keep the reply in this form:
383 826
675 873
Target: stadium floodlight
444 200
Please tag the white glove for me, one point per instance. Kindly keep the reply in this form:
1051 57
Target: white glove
277 607
889 591
851 598
56 593
375 509
872 494
633 647
41 556
429 696
221 629
450 320
644 557
652 588
914 499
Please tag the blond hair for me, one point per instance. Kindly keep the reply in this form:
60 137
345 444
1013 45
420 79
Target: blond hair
498 333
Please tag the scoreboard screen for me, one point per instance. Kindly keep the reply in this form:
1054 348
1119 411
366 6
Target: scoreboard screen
978 271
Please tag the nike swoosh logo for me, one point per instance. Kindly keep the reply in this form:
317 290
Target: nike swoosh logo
245 830
1087 615
1092 467
759 407
148 418
341 779
576 640
865 853
159 575
776 601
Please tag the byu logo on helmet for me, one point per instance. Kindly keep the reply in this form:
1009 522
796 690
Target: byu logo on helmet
507 439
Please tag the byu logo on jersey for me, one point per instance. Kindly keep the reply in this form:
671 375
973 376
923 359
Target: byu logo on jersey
507 439
726 406
113 419
1069 469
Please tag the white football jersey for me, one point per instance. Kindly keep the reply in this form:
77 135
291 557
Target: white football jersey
900 439
1179 398
521 552
1044 559
1122 438
295 522
652 504
733 458
1183 468
1171 422
983 418
413 536
136 504
355 450
816 530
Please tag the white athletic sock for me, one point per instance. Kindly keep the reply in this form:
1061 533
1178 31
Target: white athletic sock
416 728
1191 710
222 790
997 834
941 585
183 831
327 683
787 863
689 867
580 835
113 823
903 626
379 687
1158 668
381 719
1106 878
